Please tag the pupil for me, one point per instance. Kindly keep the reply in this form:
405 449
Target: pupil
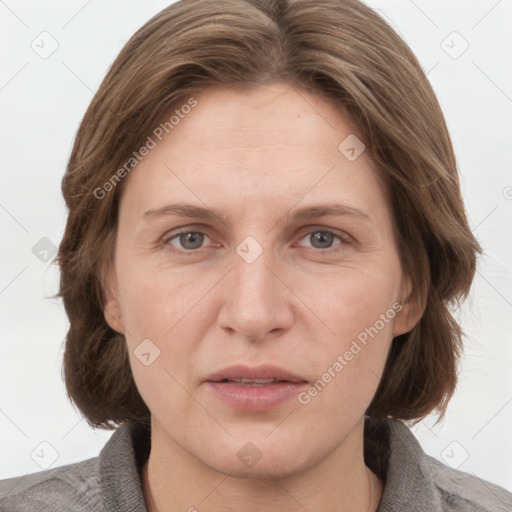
321 236
195 239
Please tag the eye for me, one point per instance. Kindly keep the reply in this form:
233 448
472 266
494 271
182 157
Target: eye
188 240
192 241
324 238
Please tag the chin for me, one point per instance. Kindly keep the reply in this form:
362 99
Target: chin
279 467
259 459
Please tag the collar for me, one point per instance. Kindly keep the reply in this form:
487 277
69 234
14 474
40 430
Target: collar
120 462
395 455
413 480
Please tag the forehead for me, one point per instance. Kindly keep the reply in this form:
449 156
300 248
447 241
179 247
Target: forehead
270 146
271 116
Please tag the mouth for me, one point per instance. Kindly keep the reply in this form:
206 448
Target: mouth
263 375
253 383
254 389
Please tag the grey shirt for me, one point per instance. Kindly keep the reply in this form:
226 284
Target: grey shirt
111 482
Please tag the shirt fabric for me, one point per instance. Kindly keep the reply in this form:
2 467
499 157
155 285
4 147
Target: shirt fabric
111 482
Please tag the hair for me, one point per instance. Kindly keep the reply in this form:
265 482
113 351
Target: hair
341 50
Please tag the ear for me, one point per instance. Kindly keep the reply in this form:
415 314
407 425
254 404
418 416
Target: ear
112 308
410 313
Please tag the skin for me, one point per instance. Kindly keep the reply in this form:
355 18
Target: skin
257 156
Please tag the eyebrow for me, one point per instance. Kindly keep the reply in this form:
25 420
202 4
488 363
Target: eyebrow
212 215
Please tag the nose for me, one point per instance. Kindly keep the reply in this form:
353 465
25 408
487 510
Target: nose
256 301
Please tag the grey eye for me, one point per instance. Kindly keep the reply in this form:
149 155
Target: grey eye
190 240
322 239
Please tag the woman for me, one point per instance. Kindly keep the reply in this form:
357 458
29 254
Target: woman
265 237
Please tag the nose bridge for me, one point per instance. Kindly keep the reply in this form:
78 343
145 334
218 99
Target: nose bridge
254 302
253 278
251 267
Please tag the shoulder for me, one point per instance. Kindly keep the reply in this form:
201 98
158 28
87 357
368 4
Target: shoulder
462 491
417 482
106 483
71 487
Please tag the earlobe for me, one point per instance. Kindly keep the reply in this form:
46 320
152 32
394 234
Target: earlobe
112 309
113 316
405 320
409 315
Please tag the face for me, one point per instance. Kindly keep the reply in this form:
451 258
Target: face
296 279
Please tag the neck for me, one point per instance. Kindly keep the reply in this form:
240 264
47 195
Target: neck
175 481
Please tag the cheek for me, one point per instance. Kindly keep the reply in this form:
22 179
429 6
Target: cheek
161 354
161 312
358 311
352 298
155 302
348 374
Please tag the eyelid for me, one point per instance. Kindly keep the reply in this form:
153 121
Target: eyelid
189 228
306 229
338 232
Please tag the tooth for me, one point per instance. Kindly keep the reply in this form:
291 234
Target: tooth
253 384
254 381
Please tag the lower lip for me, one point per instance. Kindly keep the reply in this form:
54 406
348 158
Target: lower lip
255 398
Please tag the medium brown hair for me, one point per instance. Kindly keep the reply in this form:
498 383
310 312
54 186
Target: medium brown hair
341 50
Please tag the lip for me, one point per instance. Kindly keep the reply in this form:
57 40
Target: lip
264 397
256 372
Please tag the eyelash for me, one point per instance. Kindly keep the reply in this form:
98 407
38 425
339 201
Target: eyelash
345 239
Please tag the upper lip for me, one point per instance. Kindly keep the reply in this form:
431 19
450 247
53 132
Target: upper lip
256 372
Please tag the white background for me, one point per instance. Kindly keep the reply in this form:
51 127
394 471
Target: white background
42 102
